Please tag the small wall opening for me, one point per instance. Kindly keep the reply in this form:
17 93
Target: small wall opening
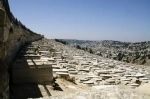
11 30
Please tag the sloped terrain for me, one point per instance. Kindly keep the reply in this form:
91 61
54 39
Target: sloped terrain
78 74
136 53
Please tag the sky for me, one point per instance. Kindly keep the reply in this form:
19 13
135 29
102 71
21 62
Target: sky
120 20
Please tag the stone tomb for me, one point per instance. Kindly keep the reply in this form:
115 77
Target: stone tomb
32 72
27 52
57 55
30 56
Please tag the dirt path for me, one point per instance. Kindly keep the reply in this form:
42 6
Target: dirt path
145 88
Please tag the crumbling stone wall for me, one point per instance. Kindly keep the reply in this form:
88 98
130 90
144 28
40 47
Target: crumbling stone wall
3 26
4 88
12 37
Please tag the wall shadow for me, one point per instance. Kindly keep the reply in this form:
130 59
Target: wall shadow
24 91
24 88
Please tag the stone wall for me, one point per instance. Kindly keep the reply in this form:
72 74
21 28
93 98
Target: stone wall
12 38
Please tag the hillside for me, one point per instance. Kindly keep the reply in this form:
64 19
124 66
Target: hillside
138 53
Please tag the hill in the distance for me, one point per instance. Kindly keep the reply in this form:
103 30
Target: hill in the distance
138 53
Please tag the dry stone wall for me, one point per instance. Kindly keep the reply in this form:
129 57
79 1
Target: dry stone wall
12 37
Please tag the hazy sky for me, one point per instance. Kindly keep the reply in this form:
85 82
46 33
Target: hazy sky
123 20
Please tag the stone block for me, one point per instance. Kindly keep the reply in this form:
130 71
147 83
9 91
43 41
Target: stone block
2 17
57 54
32 73
23 72
21 79
43 71
43 78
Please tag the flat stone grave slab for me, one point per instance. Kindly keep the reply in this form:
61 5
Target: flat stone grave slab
30 56
55 67
60 70
44 49
90 67
44 46
82 79
71 66
73 72
95 64
93 69
61 61
102 86
47 58
77 57
139 75
85 66
105 76
46 55
71 69
92 76
36 60
85 70
96 79
118 71
44 52
128 76
27 52
62 73
111 65
143 79
125 79
88 82
115 75
98 72
30 48
110 80
133 85
57 54
84 63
